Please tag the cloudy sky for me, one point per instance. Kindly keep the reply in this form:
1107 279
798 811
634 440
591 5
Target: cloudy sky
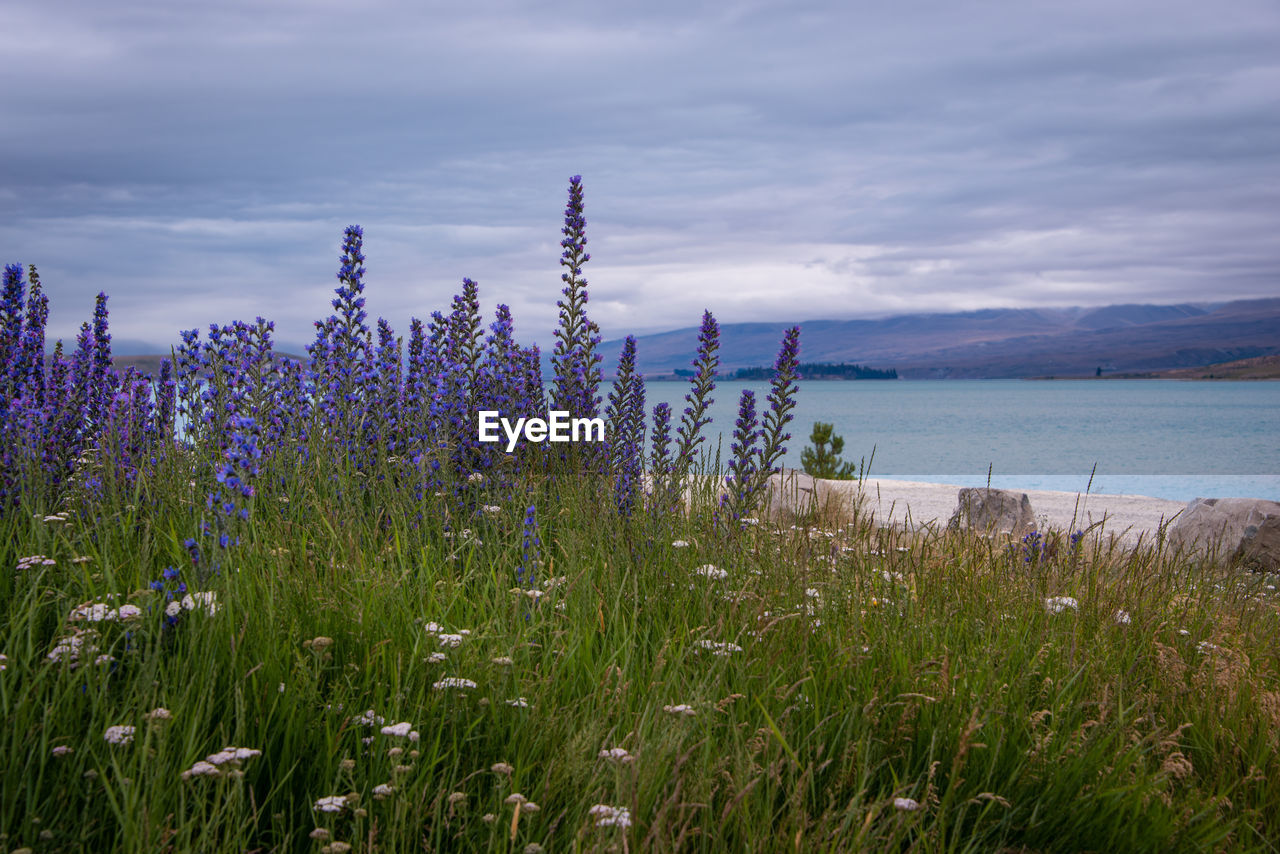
769 161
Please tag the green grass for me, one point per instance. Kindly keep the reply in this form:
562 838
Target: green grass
874 665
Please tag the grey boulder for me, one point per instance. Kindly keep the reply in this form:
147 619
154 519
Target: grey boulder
993 511
1244 529
790 494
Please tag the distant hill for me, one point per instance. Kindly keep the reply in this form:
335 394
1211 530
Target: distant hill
995 343
1257 368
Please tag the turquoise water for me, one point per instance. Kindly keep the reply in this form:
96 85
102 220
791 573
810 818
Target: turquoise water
1168 439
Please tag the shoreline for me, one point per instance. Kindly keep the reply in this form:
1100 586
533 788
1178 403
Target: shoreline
916 505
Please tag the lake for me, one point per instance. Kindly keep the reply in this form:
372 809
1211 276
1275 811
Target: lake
1164 438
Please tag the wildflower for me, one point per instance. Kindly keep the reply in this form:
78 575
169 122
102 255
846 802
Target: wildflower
369 718
433 628
718 647
514 799
488 818
4 661
518 703
201 769
93 612
490 508
63 750
435 658
1122 618
1184 632
617 754
400 730
502 661
531 548
680 544
1058 604
450 640
318 644
207 599
456 798
1205 647
232 755
71 647
128 612
906 804
453 682
104 659
712 572
320 834
608 816
332 803
118 734
339 847
383 790
502 768
680 709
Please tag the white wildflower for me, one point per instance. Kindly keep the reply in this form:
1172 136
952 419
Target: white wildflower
118 734
680 709
491 508
813 593
1206 647
4 662
1058 604
173 609
436 658
608 816
369 718
104 659
718 648
1184 632
503 661
433 628
1122 618
453 682
206 598
518 703
93 612
332 803
712 572
399 730
680 544
63 750
228 755
201 769
383 790
906 804
450 640
617 754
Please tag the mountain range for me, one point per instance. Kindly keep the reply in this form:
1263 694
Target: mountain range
994 343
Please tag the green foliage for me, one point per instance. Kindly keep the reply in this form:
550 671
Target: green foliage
829 674
823 461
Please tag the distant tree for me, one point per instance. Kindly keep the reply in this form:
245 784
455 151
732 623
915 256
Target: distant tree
821 461
1099 373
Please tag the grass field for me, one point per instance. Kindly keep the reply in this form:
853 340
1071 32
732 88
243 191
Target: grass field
825 687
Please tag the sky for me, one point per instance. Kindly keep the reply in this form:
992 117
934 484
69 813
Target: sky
198 161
